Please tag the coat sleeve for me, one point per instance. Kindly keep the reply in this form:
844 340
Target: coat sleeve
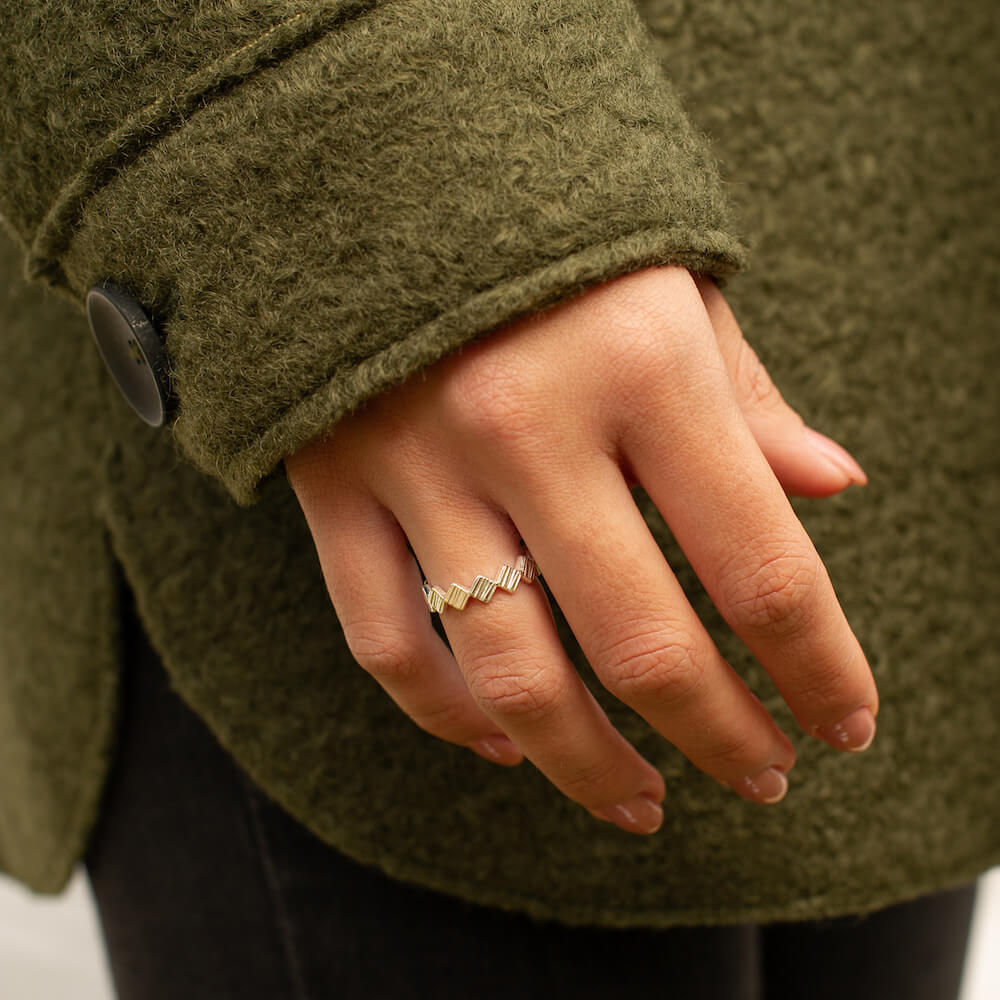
314 199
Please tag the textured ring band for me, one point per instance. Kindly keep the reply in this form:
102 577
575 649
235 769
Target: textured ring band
524 568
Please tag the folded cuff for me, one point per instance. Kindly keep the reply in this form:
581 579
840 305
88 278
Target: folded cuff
389 191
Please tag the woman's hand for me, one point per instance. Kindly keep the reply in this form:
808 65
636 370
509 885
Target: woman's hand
537 431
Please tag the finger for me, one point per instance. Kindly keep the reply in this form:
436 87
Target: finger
741 536
374 584
519 673
639 632
806 462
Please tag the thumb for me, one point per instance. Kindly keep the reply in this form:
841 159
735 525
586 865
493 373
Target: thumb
806 463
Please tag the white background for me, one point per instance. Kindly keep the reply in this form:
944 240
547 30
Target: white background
50 948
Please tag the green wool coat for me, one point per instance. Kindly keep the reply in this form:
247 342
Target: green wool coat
315 199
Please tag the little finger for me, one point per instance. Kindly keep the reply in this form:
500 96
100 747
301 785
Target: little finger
374 584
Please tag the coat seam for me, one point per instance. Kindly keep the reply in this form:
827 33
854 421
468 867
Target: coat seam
168 112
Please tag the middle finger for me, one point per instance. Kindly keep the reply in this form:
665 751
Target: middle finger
637 629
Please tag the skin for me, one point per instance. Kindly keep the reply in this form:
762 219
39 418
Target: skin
538 431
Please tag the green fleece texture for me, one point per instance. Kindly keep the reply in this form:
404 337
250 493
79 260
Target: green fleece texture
58 630
859 152
384 193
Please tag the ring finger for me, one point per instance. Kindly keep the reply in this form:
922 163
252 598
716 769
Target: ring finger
517 670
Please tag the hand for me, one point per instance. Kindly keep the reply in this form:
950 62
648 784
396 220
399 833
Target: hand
537 431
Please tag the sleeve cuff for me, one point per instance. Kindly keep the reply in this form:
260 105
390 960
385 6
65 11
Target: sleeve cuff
389 191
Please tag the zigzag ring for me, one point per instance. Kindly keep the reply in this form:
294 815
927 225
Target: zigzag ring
525 568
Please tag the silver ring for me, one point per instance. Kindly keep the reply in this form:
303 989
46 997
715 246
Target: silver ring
525 568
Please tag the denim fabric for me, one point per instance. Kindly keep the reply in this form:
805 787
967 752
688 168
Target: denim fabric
207 890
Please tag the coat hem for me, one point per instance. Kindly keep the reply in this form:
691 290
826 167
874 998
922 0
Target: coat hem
52 876
821 906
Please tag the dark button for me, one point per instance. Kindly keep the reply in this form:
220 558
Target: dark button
131 349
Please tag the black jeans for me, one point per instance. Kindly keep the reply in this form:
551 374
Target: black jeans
208 891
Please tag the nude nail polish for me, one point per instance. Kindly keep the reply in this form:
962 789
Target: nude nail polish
768 787
854 733
638 815
498 749
836 454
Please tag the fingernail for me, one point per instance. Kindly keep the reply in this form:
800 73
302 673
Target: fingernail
638 815
855 733
836 454
768 787
498 749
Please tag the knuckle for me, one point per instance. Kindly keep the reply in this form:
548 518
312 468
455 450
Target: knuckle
664 664
775 598
502 685
649 365
669 376
829 685
734 755
387 655
447 720
589 783
485 399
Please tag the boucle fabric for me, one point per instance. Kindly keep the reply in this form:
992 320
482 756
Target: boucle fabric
318 216
58 631
400 184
